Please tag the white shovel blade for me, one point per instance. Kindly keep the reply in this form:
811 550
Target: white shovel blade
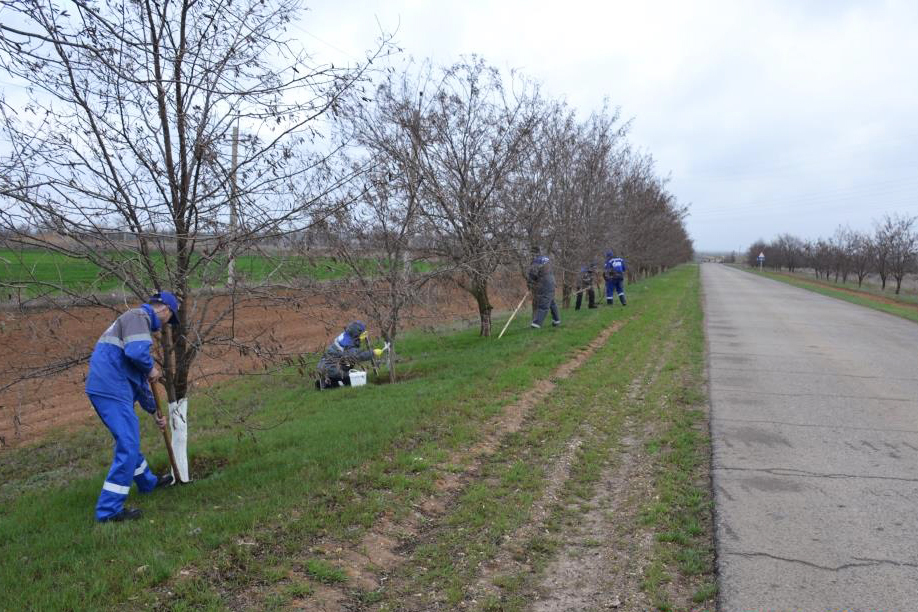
178 423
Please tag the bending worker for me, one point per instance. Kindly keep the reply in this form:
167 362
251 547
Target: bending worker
119 370
587 277
342 354
614 275
541 283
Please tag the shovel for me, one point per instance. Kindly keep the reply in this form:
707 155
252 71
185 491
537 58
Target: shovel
160 394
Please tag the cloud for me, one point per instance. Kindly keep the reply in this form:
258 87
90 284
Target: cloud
770 116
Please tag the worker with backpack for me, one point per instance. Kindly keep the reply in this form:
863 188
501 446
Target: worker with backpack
614 275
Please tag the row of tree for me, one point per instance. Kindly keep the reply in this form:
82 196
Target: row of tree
890 251
469 171
153 140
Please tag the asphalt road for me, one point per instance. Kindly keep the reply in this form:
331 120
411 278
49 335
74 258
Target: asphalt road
814 418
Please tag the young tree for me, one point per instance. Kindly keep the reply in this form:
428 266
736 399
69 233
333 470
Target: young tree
901 245
476 130
378 237
861 248
883 239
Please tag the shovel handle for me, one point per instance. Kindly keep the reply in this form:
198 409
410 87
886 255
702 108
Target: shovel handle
507 324
159 395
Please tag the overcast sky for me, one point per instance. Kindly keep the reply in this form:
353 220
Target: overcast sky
769 116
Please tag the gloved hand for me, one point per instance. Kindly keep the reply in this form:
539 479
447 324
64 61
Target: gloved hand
378 352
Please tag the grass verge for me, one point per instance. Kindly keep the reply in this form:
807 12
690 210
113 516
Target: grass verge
586 410
321 463
901 306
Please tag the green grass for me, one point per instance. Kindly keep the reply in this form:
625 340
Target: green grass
592 408
320 463
39 272
680 514
906 306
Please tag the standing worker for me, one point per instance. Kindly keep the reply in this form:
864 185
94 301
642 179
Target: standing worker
541 283
342 354
120 370
587 277
614 275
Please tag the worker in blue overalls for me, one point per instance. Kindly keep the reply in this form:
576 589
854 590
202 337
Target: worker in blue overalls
119 370
342 354
614 275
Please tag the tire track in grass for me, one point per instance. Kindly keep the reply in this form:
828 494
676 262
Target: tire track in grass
382 547
512 558
602 563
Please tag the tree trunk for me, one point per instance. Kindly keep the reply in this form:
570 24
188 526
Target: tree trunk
390 361
566 292
484 307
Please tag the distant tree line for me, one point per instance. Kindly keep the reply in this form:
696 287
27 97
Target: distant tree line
890 251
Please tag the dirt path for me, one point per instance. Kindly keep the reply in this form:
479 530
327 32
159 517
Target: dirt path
388 543
602 564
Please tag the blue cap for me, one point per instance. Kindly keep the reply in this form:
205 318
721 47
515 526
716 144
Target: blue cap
167 298
355 328
610 254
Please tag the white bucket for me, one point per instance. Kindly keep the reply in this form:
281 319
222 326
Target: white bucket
358 378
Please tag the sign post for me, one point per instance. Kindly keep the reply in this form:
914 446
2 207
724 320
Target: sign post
761 260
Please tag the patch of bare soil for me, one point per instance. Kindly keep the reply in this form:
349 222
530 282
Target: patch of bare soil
511 419
383 547
602 563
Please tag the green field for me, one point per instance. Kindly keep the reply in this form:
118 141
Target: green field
308 465
31 273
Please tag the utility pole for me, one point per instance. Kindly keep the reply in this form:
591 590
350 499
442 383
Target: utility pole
231 264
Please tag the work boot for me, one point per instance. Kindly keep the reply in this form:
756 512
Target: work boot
164 480
126 514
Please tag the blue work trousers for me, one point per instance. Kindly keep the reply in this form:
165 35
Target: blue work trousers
613 285
128 463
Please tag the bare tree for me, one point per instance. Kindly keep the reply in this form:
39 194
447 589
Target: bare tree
378 238
861 247
475 131
900 244
883 238
121 148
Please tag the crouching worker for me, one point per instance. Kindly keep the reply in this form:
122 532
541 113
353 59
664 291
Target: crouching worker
120 370
342 354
